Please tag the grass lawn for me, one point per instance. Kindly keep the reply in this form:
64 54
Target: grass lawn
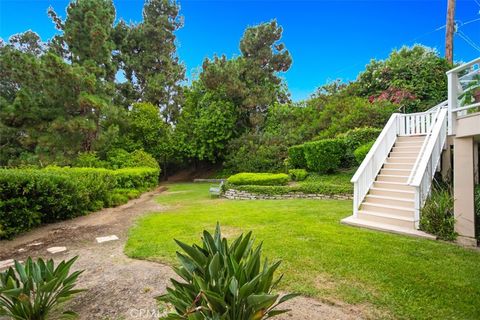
404 277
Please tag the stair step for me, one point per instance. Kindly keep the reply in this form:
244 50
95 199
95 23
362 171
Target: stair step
402 154
390 201
393 185
415 149
410 138
410 160
392 178
395 172
408 144
387 209
385 218
403 194
405 166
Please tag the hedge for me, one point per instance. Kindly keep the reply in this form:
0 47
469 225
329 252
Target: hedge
30 197
361 152
259 179
325 155
296 157
298 174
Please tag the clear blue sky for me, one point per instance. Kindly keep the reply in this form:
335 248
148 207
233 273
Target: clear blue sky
327 39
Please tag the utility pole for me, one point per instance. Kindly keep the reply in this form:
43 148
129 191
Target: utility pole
450 30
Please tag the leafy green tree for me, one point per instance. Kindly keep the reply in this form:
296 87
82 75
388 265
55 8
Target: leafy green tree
251 81
206 124
412 77
149 59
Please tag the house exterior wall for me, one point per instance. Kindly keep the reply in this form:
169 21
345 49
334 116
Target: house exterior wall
465 164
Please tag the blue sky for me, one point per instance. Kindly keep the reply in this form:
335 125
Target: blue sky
327 39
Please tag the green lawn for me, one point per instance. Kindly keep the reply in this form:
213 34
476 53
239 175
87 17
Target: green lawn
403 277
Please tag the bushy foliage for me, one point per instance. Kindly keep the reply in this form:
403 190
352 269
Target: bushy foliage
30 197
255 153
34 289
359 136
324 155
411 77
296 157
222 281
259 179
437 215
119 158
298 174
361 152
342 112
89 160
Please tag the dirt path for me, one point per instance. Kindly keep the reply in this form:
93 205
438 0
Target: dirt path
124 288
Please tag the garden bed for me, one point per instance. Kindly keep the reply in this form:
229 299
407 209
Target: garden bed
315 186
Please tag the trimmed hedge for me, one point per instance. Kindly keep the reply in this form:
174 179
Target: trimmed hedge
361 152
296 157
30 197
324 156
298 174
259 179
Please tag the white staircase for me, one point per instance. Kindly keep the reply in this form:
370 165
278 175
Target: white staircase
392 183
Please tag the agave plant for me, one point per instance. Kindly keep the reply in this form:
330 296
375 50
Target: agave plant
224 281
30 291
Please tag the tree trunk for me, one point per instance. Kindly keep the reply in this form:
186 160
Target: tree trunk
450 30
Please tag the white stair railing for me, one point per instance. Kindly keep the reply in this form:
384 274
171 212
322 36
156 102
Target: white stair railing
369 168
428 162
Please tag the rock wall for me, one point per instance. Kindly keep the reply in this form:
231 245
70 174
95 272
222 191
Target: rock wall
233 194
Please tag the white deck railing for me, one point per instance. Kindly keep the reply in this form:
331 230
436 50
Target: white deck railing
428 162
373 162
460 80
422 123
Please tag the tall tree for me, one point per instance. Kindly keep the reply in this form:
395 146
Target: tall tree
450 30
87 34
252 80
150 61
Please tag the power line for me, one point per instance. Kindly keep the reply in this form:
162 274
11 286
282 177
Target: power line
468 40
477 2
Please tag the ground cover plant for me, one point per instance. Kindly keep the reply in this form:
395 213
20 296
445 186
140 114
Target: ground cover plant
31 291
224 281
402 277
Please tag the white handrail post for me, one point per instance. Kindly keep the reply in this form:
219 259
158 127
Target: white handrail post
452 99
417 207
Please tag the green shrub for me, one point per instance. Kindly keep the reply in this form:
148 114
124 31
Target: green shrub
361 152
298 174
222 281
30 197
32 290
136 178
296 157
360 136
90 160
437 215
119 158
324 155
260 179
307 188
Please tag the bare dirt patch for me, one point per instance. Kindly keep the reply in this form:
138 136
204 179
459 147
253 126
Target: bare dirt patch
122 288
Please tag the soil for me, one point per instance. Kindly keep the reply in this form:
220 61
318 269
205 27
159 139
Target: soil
122 288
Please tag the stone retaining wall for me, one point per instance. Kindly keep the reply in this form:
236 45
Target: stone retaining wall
233 194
